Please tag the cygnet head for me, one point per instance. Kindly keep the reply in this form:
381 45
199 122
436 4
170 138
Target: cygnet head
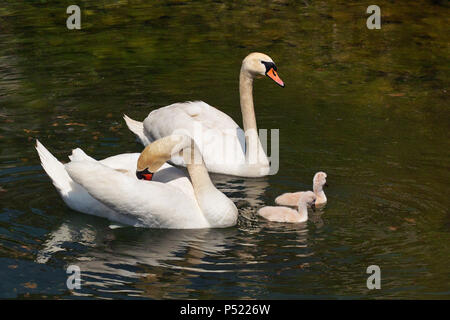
259 64
319 181
307 198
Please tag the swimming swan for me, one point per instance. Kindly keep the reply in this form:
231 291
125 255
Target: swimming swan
285 214
224 146
111 187
291 198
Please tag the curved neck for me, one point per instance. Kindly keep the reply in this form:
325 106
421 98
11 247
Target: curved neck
318 191
158 152
246 99
201 182
216 207
248 116
302 211
317 188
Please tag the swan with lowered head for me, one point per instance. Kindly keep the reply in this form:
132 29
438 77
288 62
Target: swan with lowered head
116 187
225 147
285 214
292 198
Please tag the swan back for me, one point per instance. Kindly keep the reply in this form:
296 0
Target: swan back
151 202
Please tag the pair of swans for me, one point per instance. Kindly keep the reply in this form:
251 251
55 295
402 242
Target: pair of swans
109 188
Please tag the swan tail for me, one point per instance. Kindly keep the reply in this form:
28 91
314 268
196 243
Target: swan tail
74 195
54 169
80 155
137 128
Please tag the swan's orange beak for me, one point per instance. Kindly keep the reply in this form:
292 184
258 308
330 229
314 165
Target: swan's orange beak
148 176
272 74
144 174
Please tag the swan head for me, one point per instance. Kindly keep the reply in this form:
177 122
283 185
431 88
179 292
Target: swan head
308 198
147 165
158 152
258 64
320 181
145 174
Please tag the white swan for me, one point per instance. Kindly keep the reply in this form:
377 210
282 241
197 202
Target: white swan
223 144
285 214
109 188
292 198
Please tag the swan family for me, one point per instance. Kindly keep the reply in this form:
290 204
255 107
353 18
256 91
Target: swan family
152 189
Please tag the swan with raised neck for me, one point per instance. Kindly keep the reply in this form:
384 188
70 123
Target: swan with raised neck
242 148
319 182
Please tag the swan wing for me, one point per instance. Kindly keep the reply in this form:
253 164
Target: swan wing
127 163
161 122
153 204
289 199
218 137
74 195
137 128
279 214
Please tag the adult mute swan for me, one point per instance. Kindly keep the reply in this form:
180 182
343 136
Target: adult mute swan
223 144
285 214
112 188
292 198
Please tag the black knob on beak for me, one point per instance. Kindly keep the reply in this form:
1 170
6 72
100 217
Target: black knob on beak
144 174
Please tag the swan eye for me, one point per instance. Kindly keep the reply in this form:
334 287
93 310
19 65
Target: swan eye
269 65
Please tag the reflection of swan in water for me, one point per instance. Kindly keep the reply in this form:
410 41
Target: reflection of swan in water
168 263
140 247
65 233
242 190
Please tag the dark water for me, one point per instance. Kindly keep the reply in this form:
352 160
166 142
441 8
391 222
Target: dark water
369 107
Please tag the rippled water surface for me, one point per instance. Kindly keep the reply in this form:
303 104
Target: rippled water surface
369 107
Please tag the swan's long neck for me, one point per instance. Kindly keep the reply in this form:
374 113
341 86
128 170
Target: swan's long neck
201 182
320 194
254 153
303 211
162 150
246 99
216 207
